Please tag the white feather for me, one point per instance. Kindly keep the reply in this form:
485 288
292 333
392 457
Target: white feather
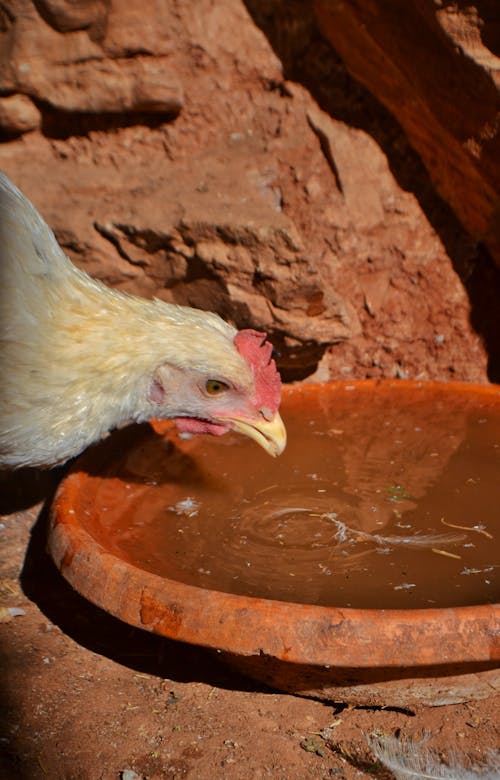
407 759
76 357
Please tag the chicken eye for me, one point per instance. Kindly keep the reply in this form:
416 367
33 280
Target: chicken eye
215 386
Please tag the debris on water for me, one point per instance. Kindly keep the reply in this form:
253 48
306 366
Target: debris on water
446 553
341 533
187 506
286 510
423 540
477 571
479 528
333 522
398 493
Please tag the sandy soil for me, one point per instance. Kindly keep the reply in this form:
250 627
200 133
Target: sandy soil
82 695
85 696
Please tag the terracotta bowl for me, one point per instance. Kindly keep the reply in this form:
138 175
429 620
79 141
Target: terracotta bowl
396 657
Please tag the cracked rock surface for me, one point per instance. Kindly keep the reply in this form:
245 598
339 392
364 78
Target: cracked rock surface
197 157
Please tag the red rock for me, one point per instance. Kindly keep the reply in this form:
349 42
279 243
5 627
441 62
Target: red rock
18 114
108 86
253 202
65 16
59 59
435 67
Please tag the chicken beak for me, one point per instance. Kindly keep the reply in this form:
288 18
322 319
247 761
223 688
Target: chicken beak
270 434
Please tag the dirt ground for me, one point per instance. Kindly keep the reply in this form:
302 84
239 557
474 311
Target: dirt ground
271 119
86 697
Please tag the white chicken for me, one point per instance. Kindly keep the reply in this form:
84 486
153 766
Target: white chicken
78 359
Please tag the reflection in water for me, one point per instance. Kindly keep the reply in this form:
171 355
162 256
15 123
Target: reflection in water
406 450
377 502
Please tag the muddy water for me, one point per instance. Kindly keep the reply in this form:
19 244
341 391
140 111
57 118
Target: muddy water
378 501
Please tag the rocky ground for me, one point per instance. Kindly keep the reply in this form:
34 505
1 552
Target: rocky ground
263 181
220 155
87 697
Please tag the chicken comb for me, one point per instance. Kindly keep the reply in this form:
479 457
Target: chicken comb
257 352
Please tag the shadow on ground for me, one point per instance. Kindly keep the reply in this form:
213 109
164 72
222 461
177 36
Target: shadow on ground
104 634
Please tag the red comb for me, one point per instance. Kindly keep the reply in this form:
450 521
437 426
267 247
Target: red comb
257 352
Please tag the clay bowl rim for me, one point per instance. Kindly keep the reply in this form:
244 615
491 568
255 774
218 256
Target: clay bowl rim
244 625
